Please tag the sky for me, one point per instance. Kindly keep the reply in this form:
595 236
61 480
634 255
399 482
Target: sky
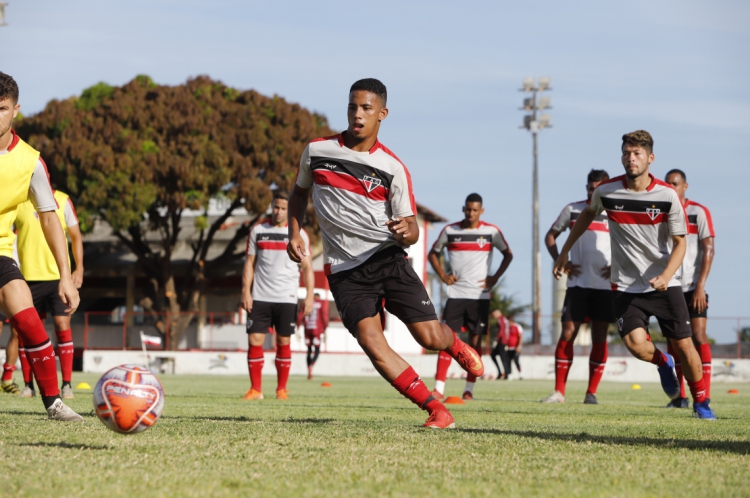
453 72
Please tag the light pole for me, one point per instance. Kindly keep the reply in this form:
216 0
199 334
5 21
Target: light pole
2 13
534 123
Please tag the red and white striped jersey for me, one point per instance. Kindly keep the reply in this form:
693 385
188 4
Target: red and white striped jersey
354 194
592 251
470 255
503 330
700 226
641 226
276 277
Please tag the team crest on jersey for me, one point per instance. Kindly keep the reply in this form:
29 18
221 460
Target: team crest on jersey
481 241
619 324
371 183
653 213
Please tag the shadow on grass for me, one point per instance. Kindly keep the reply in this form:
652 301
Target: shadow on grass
240 418
738 447
292 420
69 446
42 413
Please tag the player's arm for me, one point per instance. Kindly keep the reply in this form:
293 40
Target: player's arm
405 230
434 260
520 340
679 244
403 222
490 281
309 276
297 206
585 219
248 274
699 295
76 244
550 240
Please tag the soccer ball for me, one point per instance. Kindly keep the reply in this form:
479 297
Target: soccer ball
128 399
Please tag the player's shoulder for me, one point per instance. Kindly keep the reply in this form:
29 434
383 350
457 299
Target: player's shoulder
689 203
388 159
325 142
612 184
489 226
578 205
259 227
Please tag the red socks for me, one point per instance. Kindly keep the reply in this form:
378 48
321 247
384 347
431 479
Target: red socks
677 368
658 359
698 390
25 367
706 358
255 362
8 370
39 351
563 361
65 352
411 387
283 364
597 361
455 347
443 364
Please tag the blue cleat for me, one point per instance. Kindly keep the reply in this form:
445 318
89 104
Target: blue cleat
669 378
679 403
702 410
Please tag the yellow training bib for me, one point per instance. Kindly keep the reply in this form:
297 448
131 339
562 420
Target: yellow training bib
16 169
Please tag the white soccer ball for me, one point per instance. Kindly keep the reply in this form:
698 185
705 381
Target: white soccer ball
128 399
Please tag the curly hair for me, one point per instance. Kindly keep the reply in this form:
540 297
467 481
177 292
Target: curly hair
640 138
8 88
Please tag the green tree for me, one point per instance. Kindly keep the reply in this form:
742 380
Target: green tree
507 304
139 155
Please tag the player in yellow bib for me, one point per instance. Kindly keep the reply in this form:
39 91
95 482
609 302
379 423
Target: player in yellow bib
23 177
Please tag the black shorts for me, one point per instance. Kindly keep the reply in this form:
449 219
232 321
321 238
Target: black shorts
46 299
387 275
281 316
9 271
669 308
691 310
470 313
594 304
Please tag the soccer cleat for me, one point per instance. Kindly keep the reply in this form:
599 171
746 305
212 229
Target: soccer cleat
702 410
678 403
309 373
62 412
67 392
10 387
282 394
669 378
252 394
467 396
555 397
590 399
437 395
27 392
469 360
440 419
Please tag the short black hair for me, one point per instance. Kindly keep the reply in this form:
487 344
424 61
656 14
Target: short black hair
474 198
371 85
8 88
597 175
678 172
280 194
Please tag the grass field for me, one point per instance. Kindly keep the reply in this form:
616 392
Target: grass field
360 438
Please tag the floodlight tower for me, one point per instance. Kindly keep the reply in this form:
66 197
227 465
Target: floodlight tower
2 13
534 123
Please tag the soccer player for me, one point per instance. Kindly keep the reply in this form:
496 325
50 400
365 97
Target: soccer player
589 295
23 176
513 348
363 198
269 294
699 256
40 271
503 326
469 244
315 326
647 232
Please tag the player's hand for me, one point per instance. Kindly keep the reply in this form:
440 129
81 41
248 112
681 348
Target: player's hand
659 283
489 282
572 270
309 306
247 302
700 303
399 228
69 295
77 277
560 264
449 279
296 249
606 272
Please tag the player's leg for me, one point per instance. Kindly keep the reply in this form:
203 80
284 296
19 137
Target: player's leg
28 378
284 317
597 359
681 401
308 343
16 302
497 351
11 358
571 317
453 317
476 314
65 350
700 339
505 357
517 361
258 323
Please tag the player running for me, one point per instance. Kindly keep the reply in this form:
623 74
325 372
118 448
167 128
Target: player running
469 244
316 324
40 271
23 176
699 256
647 230
269 294
589 294
365 205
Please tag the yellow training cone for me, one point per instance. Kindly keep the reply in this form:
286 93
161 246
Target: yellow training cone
84 386
636 386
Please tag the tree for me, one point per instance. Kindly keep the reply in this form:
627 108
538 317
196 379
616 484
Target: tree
138 155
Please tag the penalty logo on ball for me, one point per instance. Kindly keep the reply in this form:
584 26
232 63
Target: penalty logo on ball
128 399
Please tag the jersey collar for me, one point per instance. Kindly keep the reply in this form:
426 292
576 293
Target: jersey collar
377 145
650 185
13 141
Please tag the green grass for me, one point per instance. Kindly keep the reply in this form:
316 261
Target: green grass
360 438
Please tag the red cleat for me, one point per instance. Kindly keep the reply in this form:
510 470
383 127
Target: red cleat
467 396
469 360
440 419
437 395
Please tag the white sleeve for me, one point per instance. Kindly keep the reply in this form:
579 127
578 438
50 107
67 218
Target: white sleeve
304 174
563 221
677 216
596 201
441 242
705 224
252 241
401 195
40 191
71 219
498 241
